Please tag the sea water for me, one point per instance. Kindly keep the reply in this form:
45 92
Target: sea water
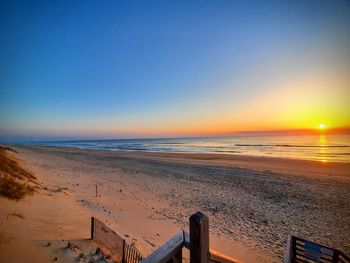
325 148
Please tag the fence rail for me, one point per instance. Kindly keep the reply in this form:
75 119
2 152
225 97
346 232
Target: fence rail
117 247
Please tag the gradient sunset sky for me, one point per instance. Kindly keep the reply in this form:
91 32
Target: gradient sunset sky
116 69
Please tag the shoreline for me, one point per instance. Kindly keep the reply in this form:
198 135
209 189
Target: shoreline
277 164
219 153
253 203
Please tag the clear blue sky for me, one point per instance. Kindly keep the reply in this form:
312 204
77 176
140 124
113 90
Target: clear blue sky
85 69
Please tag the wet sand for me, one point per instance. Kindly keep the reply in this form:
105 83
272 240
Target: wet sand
253 203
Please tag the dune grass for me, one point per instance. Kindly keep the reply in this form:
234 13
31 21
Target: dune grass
15 181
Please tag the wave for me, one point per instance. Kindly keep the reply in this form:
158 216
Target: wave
228 151
308 148
290 145
172 143
333 154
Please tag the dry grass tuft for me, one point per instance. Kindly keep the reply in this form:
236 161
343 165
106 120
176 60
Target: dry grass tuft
10 166
15 181
12 188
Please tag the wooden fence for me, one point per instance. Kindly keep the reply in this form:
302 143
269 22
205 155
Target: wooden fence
301 250
197 241
116 247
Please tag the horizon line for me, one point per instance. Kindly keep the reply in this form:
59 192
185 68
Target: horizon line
273 132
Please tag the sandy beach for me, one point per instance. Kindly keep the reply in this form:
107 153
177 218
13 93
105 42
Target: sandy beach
253 203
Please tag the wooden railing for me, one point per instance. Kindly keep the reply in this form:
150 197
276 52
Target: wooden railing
301 250
197 241
171 251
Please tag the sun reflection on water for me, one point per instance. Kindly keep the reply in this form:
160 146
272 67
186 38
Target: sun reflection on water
323 149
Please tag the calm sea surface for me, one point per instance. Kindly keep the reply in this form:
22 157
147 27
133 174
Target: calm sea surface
323 148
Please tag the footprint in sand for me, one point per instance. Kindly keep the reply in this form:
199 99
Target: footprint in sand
153 245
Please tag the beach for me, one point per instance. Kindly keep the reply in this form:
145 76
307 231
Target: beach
253 203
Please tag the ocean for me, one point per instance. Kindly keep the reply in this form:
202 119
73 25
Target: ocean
324 148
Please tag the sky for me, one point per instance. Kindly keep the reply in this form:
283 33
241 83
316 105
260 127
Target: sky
133 69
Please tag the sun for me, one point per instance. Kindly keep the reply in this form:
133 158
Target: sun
322 126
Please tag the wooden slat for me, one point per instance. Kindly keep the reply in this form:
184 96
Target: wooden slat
302 258
344 257
134 256
127 253
167 250
323 257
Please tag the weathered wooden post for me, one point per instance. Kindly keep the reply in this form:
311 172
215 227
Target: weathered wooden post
92 227
199 238
123 253
289 256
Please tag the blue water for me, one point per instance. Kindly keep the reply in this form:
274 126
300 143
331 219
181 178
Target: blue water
325 148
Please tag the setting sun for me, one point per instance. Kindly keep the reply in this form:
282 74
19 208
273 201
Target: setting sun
322 126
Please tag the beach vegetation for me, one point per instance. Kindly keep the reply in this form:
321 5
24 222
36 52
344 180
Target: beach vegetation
15 181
